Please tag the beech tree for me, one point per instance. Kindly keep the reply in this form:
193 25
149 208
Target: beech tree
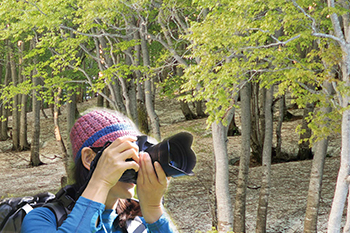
266 164
15 101
240 200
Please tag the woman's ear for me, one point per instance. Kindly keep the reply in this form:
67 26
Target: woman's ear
87 156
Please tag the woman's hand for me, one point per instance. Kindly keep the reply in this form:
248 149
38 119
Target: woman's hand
151 186
111 167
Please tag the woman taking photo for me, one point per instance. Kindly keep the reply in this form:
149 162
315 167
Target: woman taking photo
104 205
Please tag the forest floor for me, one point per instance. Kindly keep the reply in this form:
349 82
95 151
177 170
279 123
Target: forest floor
189 199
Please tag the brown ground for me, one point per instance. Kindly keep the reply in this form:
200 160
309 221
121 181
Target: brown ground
188 199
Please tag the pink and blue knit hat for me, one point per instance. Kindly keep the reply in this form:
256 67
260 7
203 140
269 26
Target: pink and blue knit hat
96 127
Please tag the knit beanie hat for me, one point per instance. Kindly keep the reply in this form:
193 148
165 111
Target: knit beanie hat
96 127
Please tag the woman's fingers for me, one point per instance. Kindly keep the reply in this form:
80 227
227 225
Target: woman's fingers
150 173
125 148
151 185
146 171
132 165
149 169
160 173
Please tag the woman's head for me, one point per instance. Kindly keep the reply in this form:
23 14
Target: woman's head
92 130
96 127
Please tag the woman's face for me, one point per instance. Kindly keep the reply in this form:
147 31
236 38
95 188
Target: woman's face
122 190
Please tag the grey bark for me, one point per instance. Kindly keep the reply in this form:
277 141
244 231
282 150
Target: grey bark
223 199
241 190
23 142
140 92
15 112
1 103
266 165
281 108
342 186
23 139
148 91
35 144
199 109
131 105
186 111
4 122
257 133
315 185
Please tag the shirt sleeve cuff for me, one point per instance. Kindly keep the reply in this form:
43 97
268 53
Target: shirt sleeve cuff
157 225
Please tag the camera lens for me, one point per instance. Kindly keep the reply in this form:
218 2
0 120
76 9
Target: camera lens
174 155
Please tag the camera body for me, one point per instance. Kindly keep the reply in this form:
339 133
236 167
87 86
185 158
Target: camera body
174 154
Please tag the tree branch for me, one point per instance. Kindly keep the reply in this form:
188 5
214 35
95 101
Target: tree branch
335 21
95 35
35 7
278 43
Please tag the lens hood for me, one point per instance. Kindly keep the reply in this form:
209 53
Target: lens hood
175 155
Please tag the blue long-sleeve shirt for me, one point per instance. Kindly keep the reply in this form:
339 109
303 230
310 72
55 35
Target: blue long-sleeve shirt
83 218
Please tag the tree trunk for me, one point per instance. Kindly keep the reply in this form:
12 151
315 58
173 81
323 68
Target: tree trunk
199 109
4 122
23 139
281 107
305 151
131 105
266 163
256 137
72 114
35 146
1 115
148 92
59 137
117 96
23 142
224 206
241 190
99 101
233 128
140 92
342 186
314 193
186 111
15 112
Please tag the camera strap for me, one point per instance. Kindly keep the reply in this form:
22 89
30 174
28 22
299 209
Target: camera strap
93 167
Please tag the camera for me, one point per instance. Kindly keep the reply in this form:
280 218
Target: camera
174 154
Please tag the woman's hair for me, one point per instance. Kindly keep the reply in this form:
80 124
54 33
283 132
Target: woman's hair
126 209
93 129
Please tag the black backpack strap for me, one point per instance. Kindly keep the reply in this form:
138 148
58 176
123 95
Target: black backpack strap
59 210
63 204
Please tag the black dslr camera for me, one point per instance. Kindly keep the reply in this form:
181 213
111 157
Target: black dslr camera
174 155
